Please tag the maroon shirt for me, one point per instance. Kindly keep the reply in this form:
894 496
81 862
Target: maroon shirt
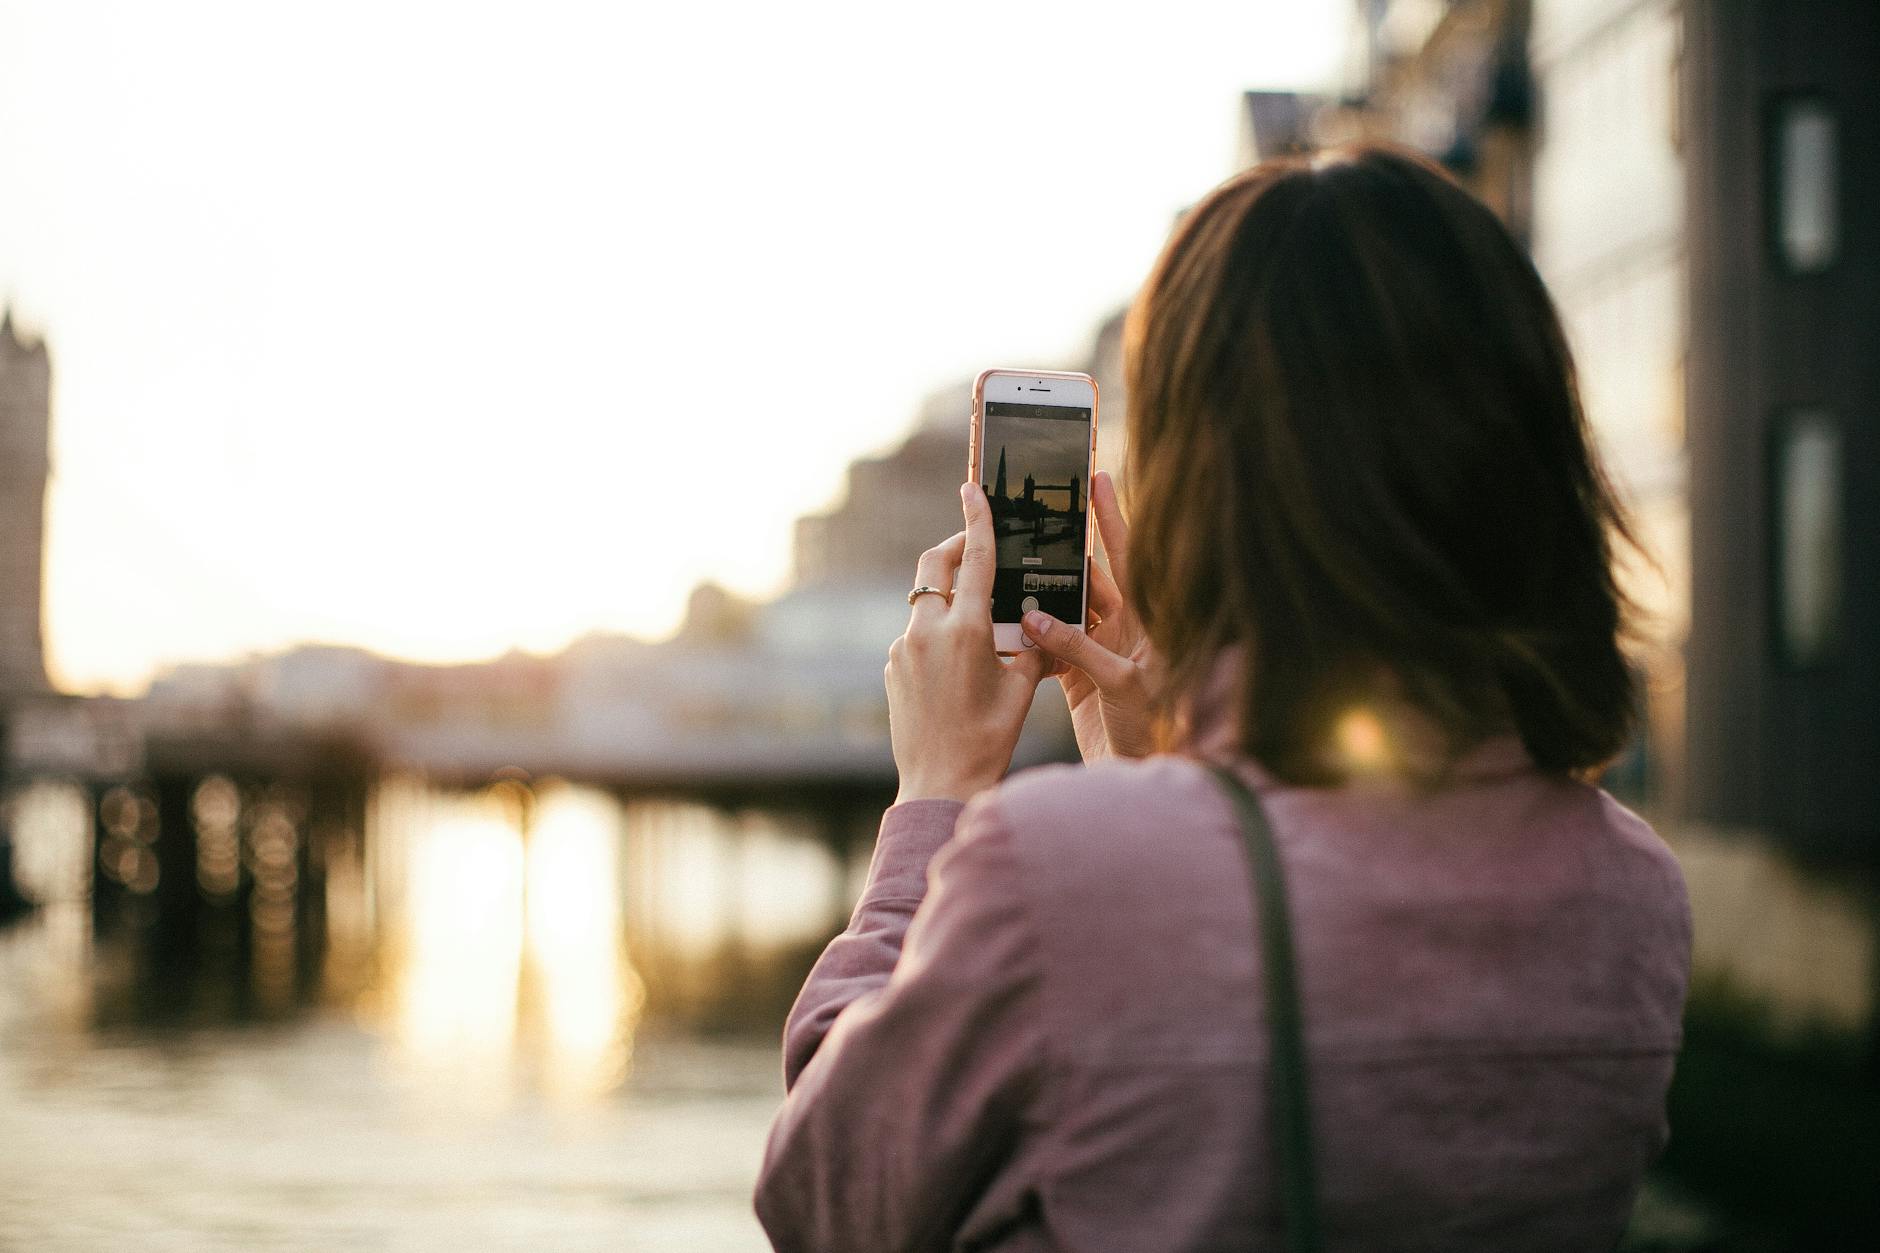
1044 1026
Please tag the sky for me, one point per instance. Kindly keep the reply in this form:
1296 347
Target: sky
1051 450
418 326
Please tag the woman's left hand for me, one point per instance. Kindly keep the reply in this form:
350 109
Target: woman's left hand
954 707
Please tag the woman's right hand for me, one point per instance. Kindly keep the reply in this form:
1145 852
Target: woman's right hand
1105 670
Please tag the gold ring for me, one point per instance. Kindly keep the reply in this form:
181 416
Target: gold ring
924 590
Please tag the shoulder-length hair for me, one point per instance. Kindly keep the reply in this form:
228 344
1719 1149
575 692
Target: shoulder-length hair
1357 454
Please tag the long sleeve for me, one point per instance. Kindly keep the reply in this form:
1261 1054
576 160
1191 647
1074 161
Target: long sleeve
912 1069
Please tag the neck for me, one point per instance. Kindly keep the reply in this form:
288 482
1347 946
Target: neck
1381 736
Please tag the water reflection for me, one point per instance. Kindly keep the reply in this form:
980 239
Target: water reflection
590 995
215 810
52 837
499 941
398 1016
273 851
519 926
716 881
51 827
454 948
130 829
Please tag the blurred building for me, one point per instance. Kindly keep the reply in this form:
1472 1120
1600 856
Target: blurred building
40 730
25 427
1782 244
1705 215
1273 123
1450 78
1608 238
894 505
785 693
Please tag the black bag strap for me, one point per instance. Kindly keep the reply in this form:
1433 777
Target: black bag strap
1291 1108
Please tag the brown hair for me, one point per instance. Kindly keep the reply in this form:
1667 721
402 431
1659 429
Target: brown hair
1357 453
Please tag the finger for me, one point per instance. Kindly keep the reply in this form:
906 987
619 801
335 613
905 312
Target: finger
1075 648
1110 525
1105 597
935 569
972 586
1032 665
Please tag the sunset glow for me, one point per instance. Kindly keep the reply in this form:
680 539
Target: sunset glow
443 329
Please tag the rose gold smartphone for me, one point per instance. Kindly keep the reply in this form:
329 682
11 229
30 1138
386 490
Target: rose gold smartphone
1034 441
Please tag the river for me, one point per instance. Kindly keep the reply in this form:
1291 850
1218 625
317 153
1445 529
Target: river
517 1035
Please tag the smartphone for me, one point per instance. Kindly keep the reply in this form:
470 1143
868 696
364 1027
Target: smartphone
1033 444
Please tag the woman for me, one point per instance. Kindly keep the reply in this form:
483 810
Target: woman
1370 567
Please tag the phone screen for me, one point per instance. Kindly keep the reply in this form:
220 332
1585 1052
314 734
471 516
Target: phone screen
1033 465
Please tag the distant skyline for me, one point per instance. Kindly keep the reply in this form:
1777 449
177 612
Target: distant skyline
396 324
1034 447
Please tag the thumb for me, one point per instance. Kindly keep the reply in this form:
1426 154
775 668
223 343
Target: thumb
1032 665
1075 648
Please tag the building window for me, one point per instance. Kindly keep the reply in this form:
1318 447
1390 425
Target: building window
1808 535
1806 218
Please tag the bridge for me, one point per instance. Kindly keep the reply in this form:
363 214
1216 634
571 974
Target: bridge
753 724
1072 489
